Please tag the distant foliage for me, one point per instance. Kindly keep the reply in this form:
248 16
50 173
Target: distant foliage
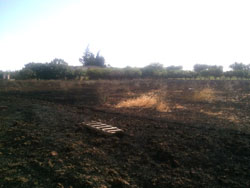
239 70
200 67
26 74
58 69
208 71
154 70
89 59
174 68
114 73
240 67
131 73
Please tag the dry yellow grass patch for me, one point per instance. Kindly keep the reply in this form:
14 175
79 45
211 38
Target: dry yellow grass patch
220 113
145 101
206 94
149 100
233 118
178 106
162 107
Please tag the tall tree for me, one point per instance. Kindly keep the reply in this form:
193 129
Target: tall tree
89 59
100 61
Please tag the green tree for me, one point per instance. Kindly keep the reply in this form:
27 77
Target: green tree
57 61
200 67
56 69
25 74
37 68
131 73
208 70
239 67
99 60
174 68
153 70
240 70
215 71
89 59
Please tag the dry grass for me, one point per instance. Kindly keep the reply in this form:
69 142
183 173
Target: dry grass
206 94
233 118
162 107
149 100
178 106
144 101
222 115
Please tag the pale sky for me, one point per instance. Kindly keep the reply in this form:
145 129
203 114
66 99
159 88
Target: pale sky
128 32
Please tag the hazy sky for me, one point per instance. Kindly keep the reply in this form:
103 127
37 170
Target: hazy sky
128 32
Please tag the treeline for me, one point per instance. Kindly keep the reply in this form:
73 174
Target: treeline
59 69
94 67
156 70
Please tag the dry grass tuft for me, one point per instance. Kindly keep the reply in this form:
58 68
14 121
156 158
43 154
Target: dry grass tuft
149 100
178 106
162 107
206 94
145 101
233 118
222 115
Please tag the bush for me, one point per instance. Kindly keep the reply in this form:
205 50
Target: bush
25 74
113 73
131 73
154 70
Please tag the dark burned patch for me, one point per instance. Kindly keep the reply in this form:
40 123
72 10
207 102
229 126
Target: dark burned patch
86 95
42 144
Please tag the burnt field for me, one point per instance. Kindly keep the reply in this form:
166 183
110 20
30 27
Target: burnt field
177 133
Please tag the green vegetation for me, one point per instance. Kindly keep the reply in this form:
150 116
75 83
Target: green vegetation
60 70
94 68
89 59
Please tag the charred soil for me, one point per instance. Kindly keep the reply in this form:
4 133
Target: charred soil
188 134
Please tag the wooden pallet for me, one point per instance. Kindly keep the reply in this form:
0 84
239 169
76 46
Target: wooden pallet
102 127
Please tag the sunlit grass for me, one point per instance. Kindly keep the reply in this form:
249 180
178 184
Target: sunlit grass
149 100
206 94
